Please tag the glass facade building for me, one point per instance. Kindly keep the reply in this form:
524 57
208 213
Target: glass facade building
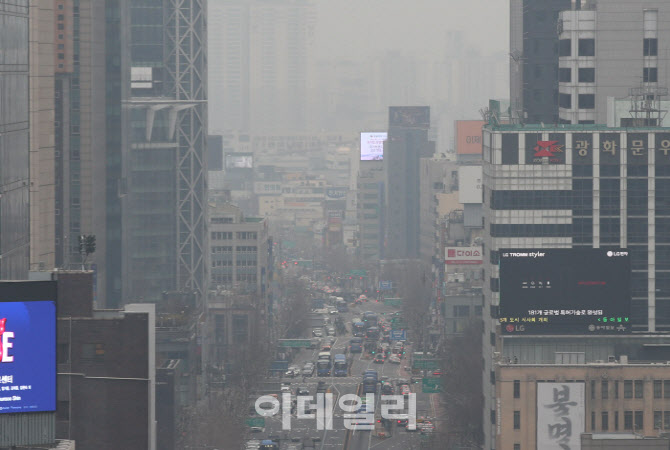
14 141
163 228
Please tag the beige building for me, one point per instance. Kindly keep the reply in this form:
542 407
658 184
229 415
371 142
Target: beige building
239 253
618 397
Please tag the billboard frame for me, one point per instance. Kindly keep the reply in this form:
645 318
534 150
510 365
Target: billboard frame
34 291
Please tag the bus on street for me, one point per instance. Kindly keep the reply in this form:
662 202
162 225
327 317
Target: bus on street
340 366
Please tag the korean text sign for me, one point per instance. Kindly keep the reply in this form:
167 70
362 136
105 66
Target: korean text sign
28 348
560 415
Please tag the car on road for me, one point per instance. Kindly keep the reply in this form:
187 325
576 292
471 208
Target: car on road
394 359
330 331
379 359
333 311
404 390
308 369
427 427
302 391
326 348
293 371
317 332
332 340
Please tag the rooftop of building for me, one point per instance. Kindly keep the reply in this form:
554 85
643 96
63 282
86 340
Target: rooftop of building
568 127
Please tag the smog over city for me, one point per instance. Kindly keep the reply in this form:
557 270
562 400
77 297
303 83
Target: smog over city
334 225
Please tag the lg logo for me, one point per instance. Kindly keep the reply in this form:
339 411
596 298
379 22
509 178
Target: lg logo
512 328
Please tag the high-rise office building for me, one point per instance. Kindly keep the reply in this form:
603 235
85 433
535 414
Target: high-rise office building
534 59
582 186
614 49
163 167
42 192
14 140
406 144
259 62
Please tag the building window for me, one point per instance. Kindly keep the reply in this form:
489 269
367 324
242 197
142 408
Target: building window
593 421
61 17
650 75
587 75
587 47
616 420
628 420
604 389
517 420
60 6
61 46
639 389
593 389
60 36
517 388
650 47
666 388
61 26
628 389
565 101
517 446
604 419
658 420
658 389
565 75
564 47
587 101
639 420
61 56
666 420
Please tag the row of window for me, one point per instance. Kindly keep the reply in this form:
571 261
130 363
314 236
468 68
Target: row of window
239 249
587 47
631 389
584 101
588 75
228 235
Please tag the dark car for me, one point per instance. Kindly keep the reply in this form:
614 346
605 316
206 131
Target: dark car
379 359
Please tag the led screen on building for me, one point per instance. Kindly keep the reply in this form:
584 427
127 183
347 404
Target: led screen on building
239 161
372 146
558 291
27 347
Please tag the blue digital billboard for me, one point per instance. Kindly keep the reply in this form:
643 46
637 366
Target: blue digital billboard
27 348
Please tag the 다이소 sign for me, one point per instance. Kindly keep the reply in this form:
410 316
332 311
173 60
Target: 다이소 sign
28 346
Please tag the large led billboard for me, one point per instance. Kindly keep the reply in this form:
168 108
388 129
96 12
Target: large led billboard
409 116
239 160
372 146
27 346
565 291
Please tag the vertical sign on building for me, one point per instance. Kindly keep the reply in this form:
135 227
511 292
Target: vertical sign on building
560 415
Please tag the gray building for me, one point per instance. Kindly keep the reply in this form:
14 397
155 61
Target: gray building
370 210
615 49
163 166
14 141
601 187
534 59
407 143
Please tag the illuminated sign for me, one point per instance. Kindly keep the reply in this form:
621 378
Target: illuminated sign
28 347
559 291
541 151
463 255
372 146
239 161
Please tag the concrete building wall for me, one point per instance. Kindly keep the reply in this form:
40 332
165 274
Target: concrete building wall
42 170
14 140
619 390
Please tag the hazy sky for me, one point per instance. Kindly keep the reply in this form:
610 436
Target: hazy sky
361 27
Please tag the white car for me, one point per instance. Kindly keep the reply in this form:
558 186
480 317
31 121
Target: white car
317 332
394 359
308 369
292 371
